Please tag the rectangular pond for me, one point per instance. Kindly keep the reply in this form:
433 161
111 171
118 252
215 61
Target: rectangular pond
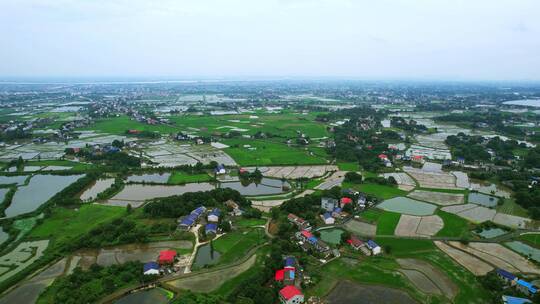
40 189
16 179
158 178
135 192
407 206
525 250
266 186
491 233
483 199
96 188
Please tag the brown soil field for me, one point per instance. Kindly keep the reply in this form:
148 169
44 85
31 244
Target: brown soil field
443 282
439 198
471 263
421 282
347 292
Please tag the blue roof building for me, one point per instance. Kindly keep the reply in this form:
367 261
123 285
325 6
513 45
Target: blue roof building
211 228
371 244
505 274
215 212
515 300
526 287
199 210
327 215
290 262
312 240
151 268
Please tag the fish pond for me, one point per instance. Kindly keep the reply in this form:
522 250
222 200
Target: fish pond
96 188
158 178
40 189
17 179
483 199
407 206
525 250
136 192
205 256
149 296
491 233
331 236
266 186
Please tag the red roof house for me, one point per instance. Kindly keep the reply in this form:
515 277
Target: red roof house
280 274
345 200
383 156
306 234
290 294
166 256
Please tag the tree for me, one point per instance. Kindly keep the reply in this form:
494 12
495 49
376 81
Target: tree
128 208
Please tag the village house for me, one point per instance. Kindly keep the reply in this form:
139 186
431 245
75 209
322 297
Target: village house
329 204
210 228
526 287
298 221
506 276
291 295
515 300
308 240
236 211
188 221
375 249
213 216
166 257
220 169
328 219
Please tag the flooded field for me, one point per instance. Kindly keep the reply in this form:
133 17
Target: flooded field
294 172
21 257
439 198
491 233
331 236
150 178
491 189
407 206
205 256
96 188
267 186
347 292
525 250
483 199
39 190
134 193
149 296
17 179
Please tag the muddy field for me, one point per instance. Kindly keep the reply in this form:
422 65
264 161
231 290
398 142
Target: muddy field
512 220
361 228
439 198
421 282
471 263
404 181
347 293
516 260
418 226
210 281
295 172
439 279
472 212
21 257
432 179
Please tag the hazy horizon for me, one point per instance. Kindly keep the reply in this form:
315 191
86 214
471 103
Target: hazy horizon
271 39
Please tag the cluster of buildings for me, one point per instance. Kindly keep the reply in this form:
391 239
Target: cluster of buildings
520 284
212 220
290 277
368 248
307 241
190 220
333 208
165 260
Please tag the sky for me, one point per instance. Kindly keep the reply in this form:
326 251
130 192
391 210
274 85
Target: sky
361 39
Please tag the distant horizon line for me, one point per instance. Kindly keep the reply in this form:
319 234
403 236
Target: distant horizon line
29 80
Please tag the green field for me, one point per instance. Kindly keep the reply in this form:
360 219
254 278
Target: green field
454 226
371 215
387 222
245 222
273 153
178 177
531 239
65 224
351 166
65 163
235 245
380 191
119 125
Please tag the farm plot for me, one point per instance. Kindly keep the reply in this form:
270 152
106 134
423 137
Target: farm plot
407 205
471 263
421 281
419 226
210 281
472 212
441 280
136 194
404 181
511 220
507 255
462 179
493 260
21 257
439 180
348 292
439 198
361 228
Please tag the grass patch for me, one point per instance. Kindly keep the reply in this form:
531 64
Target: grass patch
371 215
387 222
509 206
245 222
178 177
65 163
65 224
380 191
119 125
399 247
235 245
350 166
454 226
532 239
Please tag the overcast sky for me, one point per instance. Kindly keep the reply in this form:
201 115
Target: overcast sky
381 39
